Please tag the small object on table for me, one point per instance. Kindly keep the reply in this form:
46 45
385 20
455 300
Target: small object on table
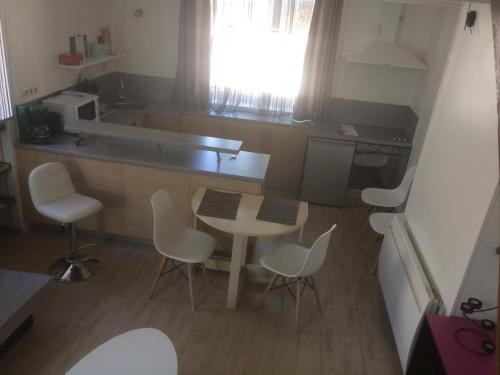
348 130
70 59
279 210
219 204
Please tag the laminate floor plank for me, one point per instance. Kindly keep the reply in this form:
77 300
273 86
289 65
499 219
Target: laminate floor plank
349 335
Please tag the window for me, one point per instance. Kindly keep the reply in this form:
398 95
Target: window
258 49
5 97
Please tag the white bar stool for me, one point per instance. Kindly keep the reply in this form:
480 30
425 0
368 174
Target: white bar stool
54 196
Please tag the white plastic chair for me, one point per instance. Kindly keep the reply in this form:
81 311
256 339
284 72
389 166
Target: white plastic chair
54 196
380 223
177 243
143 351
390 198
291 261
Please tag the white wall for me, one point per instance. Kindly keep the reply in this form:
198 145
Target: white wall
458 169
481 280
38 30
150 42
360 25
428 86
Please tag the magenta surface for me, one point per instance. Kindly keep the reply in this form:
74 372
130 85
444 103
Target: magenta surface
456 360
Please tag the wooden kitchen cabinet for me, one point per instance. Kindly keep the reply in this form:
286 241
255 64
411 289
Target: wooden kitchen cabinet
201 125
287 146
168 123
140 183
125 191
103 181
252 134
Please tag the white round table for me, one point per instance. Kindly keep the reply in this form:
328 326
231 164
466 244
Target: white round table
144 351
244 226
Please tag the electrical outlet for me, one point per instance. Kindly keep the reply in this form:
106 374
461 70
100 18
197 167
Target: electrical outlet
29 91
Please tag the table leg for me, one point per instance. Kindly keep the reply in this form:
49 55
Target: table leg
239 250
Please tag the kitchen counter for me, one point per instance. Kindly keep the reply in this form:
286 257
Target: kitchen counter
172 110
247 166
388 136
367 134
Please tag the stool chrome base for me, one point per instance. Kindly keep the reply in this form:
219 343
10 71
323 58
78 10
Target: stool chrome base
74 268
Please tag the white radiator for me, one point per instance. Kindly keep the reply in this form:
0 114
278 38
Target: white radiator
407 292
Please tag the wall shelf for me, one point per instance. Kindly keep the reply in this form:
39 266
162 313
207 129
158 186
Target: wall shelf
91 61
386 54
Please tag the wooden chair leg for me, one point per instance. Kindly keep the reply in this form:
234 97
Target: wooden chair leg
190 279
268 289
297 306
205 273
157 277
315 289
375 264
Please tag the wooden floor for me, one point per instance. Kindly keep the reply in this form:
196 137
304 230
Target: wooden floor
350 336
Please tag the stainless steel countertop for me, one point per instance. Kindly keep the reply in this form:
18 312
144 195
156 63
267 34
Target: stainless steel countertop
247 166
367 134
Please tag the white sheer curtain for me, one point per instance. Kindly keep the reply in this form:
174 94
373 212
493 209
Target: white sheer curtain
5 97
257 55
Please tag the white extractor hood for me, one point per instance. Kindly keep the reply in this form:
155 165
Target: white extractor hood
384 50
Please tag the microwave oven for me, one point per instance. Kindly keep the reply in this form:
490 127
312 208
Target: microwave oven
73 105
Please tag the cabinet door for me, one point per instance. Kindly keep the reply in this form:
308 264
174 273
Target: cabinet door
252 134
287 147
327 170
103 181
140 183
159 122
201 125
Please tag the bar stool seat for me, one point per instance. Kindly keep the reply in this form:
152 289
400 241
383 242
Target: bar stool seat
71 209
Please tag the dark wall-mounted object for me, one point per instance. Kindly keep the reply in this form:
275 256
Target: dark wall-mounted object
470 21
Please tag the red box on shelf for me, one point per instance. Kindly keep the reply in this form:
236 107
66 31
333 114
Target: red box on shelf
68 59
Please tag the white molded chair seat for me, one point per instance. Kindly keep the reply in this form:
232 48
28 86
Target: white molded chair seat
381 197
390 198
144 351
71 208
291 261
189 246
286 260
381 221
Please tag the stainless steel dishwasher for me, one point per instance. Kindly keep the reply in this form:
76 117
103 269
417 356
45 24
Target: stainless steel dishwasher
327 170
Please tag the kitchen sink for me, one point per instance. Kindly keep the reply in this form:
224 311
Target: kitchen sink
128 106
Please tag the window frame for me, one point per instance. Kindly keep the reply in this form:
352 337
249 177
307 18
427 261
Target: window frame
7 73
